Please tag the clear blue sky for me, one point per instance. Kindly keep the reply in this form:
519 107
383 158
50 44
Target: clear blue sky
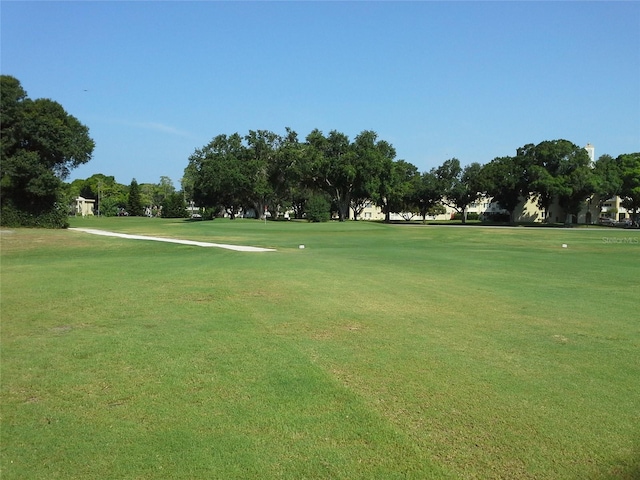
153 81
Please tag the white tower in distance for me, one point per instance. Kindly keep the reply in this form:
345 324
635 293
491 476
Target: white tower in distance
591 150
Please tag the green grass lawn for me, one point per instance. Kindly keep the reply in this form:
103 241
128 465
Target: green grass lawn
378 351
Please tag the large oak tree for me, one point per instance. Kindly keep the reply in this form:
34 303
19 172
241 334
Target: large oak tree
40 144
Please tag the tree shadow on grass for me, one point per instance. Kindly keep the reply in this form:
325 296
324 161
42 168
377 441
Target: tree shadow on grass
624 468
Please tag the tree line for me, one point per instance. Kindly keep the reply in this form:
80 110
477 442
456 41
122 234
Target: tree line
264 171
113 198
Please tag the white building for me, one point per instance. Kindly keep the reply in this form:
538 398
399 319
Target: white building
84 206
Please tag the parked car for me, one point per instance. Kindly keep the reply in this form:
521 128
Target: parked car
624 223
609 222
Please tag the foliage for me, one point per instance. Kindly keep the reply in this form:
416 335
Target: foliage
577 181
40 144
56 217
497 217
317 209
174 206
459 186
470 216
134 201
505 180
288 175
395 190
109 207
608 175
218 174
371 158
263 168
261 153
332 167
110 196
163 190
426 194
630 189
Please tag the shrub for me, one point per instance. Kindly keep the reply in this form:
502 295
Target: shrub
174 206
318 209
109 207
498 217
56 217
470 216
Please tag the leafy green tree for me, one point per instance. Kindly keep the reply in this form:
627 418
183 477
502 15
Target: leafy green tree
395 186
109 194
218 174
174 206
110 206
549 163
437 209
369 157
134 201
283 170
505 180
608 174
577 182
318 208
427 194
332 168
40 143
630 190
460 186
259 160
290 175
163 190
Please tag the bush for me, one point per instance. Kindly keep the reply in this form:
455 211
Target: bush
497 217
470 216
56 217
174 206
318 209
109 207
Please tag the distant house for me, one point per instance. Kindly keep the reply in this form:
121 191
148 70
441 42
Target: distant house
84 206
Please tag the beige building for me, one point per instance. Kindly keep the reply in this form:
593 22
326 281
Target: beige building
613 209
84 206
526 212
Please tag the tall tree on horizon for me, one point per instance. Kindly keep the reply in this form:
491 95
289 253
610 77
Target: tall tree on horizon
134 200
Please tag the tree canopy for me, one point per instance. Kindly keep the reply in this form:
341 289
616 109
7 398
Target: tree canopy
263 169
40 143
630 188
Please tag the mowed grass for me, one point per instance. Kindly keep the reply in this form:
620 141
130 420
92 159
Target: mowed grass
378 351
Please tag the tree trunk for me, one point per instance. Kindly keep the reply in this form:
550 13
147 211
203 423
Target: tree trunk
260 213
343 209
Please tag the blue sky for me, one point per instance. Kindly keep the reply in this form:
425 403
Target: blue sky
153 81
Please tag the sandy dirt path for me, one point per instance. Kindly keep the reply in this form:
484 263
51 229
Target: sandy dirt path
237 248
